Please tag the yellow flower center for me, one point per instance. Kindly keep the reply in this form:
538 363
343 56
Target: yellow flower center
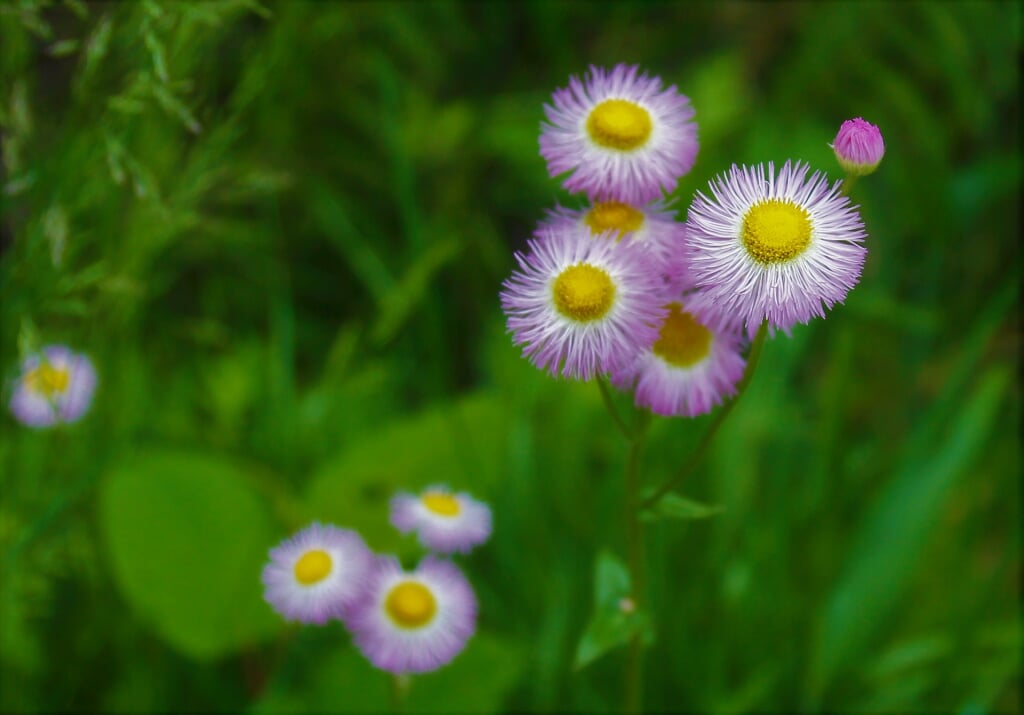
614 215
683 341
411 604
583 292
48 380
312 567
619 124
776 231
443 504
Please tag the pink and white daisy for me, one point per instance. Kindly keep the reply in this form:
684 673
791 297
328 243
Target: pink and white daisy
689 369
414 622
317 574
622 135
678 276
859 147
777 248
653 226
56 385
580 306
444 522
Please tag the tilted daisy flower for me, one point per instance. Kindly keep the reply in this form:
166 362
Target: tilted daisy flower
317 574
780 248
621 135
859 147
445 522
678 276
56 385
689 369
414 622
580 306
652 226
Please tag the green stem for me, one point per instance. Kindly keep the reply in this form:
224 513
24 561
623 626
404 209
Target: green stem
755 355
848 181
606 395
400 683
635 555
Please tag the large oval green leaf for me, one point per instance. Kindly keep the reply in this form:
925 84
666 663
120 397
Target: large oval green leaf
187 538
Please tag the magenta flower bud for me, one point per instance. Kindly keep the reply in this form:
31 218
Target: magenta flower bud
859 147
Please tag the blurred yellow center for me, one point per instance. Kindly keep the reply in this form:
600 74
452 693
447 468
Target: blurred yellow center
313 566
619 124
411 604
613 215
583 292
443 504
47 380
776 231
683 341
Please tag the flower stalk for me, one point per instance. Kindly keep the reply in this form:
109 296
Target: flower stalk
635 559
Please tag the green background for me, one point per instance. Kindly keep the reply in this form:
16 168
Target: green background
280 230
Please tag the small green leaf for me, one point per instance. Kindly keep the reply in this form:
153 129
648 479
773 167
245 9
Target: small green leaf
113 155
615 619
673 506
32 22
20 115
78 7
62 48
176 107
156 51
96 48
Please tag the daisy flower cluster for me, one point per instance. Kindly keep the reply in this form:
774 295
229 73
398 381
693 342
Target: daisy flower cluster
403 621
55 386
621 287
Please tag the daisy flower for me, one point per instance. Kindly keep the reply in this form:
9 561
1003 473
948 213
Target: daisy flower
317 574
579 305
652 226
777 248
445 522
621 135
414 622
56 385
677 274
859 147
688 370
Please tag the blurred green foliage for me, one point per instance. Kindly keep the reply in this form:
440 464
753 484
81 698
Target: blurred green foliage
280 228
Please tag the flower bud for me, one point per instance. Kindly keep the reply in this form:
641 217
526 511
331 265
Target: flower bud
859 147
